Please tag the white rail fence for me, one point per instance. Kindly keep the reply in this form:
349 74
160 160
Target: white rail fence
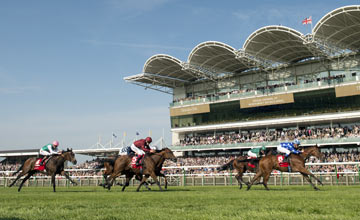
183 178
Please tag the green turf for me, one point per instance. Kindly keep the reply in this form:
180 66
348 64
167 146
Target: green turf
218 202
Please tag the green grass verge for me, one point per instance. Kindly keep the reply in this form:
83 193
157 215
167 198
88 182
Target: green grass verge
218 202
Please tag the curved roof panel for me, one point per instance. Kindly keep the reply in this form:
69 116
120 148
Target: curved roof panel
340 27
277 44
217 57
167 66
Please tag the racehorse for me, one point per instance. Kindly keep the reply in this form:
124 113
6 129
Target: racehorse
55 165
152 164
241 164
297 162
108 164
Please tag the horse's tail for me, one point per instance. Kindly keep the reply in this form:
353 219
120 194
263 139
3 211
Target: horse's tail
226 166
18 169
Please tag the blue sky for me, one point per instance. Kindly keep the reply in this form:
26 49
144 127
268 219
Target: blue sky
62 63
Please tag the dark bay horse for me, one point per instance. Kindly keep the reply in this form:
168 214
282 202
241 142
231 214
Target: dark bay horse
55 165
241 165
268 163
152 164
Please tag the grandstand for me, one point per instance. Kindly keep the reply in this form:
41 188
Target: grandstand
280 85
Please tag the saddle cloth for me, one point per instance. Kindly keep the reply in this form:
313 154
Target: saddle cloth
280 159
133 162
250 164
38 166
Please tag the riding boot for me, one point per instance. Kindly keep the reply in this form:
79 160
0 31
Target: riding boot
43 160
252 161
286 158
137 163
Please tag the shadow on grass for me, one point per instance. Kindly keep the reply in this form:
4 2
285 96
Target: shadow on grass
286 188
11 218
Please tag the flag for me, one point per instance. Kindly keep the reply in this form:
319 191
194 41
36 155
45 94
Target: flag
114 135
307 20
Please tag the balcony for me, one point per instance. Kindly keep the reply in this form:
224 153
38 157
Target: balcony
236 95
320 142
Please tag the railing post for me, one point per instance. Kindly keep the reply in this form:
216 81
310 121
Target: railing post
336 173
281 178
358 172
184 178
231 177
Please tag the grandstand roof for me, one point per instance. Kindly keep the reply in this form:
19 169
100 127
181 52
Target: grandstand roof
265 47
217 57
340 27
277 44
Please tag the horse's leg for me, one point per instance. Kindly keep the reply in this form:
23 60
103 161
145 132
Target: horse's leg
105 179
68 177
110 180
166 182
17 178
265 180
153 175
306 175
53 181
142 182
309 180
26 178
238 178
312 175
257 176
127 183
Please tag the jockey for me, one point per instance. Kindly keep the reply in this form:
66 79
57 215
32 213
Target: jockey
140 147
48 150
256 153
289 147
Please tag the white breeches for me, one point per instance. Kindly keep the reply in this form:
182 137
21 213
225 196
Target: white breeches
137 150
44 153
251 154
283 150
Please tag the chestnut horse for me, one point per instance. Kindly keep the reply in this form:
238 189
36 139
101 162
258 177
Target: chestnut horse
268 163
152 162
55 165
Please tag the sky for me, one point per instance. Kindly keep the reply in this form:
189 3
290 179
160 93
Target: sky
62 63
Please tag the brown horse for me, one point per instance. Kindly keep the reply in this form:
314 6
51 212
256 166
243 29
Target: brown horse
241 165
152 164
268 163
55 165
108 164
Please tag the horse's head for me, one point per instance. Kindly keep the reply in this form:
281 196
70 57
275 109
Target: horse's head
69 156
314 151
168 154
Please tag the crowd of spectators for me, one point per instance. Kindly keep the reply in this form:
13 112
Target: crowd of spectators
260 136
264 89
88 168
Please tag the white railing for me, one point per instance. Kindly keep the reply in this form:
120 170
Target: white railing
183 178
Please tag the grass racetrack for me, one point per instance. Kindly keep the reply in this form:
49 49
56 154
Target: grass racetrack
207 202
